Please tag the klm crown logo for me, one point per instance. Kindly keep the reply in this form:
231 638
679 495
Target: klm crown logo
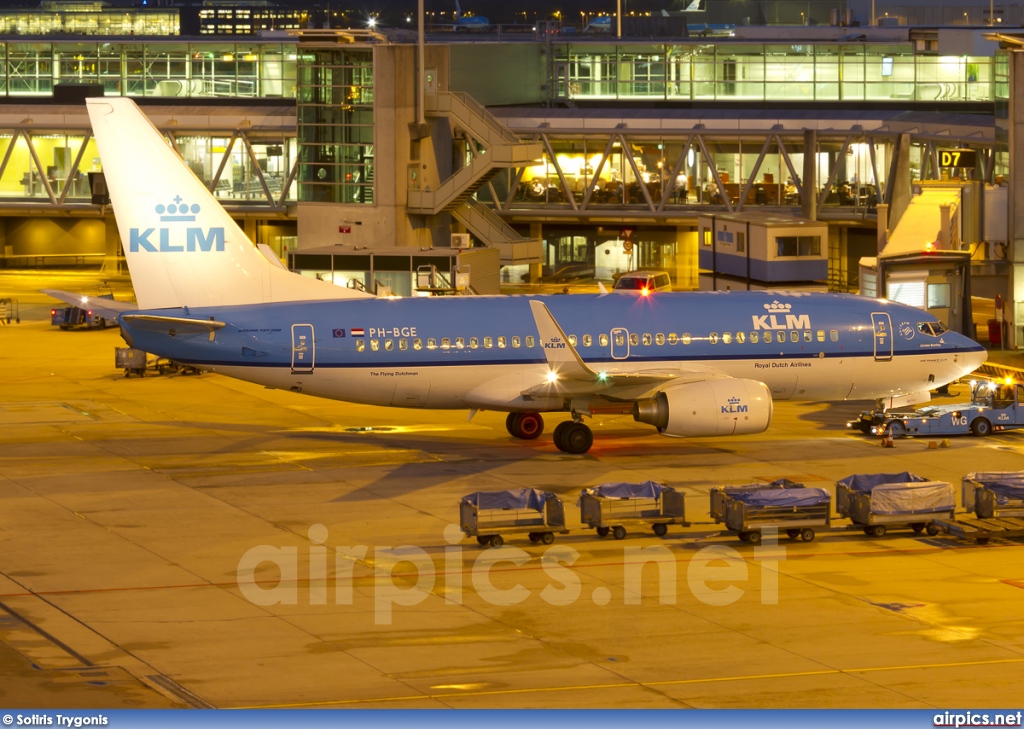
777 308
733 401
168 240
177 212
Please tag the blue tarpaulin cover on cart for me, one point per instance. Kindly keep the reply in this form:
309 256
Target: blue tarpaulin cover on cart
784 497
645 490
912 498
511 499
866 482
989 477
1007 491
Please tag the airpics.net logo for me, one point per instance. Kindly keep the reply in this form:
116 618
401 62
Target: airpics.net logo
406 576
166 239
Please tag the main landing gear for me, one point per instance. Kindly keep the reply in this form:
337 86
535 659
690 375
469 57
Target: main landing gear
572 436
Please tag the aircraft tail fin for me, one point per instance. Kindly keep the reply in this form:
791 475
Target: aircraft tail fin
183 248
458 10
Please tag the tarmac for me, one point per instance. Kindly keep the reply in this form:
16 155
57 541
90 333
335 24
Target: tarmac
198 541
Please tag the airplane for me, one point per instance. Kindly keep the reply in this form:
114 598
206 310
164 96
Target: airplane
469 22
687 363
600 24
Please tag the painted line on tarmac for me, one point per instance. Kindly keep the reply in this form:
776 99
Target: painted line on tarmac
633 684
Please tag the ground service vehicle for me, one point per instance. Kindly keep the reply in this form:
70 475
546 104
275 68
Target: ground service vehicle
994 406
68 317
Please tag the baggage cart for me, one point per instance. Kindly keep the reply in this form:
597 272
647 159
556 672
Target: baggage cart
796 511
914 504
611 507
488 515
719 494
864 482
992 494
981 530
132 361
9 310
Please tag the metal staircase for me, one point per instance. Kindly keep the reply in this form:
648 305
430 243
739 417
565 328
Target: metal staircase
501 149
488 226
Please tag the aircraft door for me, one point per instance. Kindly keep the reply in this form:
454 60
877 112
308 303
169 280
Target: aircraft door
303 349
620 343
882 325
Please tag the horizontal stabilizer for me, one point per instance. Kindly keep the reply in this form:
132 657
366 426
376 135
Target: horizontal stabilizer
107 308
172 325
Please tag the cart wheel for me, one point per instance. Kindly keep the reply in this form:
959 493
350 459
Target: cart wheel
603 531
918 527
547 538
661 529
754 537
933 530
619 532
793 533
878 530
981 540
497 541
744 536
807 535
867 530
534 537
483 540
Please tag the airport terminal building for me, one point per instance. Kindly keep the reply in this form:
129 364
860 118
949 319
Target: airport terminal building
875 159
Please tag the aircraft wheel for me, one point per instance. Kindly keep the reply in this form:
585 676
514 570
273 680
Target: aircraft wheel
559 435
510 421
981 428
577 439
527 426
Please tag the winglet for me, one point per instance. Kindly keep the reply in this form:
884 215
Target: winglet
561 355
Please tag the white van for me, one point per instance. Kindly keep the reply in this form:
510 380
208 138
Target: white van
643 282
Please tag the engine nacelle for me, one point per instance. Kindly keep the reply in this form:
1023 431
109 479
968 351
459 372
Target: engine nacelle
712 407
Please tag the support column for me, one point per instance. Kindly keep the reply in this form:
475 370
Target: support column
1015 199
809 183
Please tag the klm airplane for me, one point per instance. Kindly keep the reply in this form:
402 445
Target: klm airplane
689 364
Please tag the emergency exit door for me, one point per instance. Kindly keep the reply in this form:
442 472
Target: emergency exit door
303 349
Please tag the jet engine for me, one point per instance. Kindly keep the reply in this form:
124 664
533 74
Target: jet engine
712 407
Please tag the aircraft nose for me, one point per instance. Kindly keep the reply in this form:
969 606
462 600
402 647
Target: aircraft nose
974 358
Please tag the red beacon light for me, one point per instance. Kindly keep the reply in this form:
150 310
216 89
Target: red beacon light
645 291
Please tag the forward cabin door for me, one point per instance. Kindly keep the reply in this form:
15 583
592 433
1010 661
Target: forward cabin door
303 349
882 325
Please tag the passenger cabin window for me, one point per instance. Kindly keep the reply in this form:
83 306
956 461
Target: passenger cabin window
460 342
515 342
446 343
488 342
727 338
587 340
620 339
360 345
741 337
673 338
602 339
794 336
713 337
431 343
686 338
417 344
755 337
647 340
634 339
502 343
403 344
780 337
659 339
808 334
474 342
833 335
389 345
530 342
821 335
375 345
572 339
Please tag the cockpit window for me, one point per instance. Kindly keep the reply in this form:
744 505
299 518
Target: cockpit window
932 328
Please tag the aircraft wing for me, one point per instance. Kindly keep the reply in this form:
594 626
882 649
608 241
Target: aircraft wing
107 308
571 376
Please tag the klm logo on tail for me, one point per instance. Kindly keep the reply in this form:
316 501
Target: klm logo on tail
169 240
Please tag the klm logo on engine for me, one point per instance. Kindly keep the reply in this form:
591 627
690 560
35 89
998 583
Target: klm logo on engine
734 406
779 317
170 239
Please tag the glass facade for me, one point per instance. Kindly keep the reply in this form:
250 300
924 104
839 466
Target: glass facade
335 115
89 19
727 70
152 68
